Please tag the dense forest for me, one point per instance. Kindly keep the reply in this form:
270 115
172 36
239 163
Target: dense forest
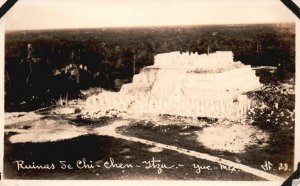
42 66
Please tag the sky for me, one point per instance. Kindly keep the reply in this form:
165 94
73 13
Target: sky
56 14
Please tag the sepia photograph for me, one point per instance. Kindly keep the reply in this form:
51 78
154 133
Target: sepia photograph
149 90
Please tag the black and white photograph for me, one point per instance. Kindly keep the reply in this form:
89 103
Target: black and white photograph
173 90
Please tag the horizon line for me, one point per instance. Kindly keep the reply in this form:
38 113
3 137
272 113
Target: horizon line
145 26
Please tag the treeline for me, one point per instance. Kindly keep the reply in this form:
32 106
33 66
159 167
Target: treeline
44 65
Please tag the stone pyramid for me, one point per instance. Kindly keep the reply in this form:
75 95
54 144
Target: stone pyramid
188 85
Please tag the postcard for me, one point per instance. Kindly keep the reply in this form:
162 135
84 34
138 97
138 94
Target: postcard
149 92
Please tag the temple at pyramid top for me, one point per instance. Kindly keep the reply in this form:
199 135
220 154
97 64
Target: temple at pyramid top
213 62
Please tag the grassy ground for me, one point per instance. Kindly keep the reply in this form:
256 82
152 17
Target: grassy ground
100 149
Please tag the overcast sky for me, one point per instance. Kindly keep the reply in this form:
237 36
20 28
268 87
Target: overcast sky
51 14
